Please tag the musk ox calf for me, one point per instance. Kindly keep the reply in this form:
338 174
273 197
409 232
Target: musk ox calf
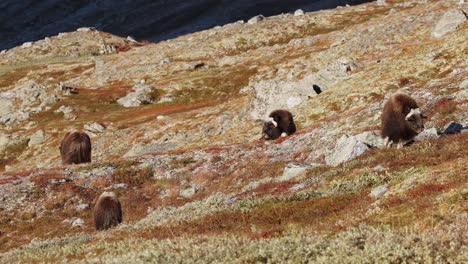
281 124
402 120
75 148
107 211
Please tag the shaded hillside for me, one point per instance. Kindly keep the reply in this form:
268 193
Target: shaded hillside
30 20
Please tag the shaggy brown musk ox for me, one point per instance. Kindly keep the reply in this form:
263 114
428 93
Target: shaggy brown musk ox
75 148
402 120
107 211
281 123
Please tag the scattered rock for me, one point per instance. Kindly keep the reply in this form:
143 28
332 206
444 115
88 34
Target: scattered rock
6 106
347 148
292 170
299 12
448 23
85 29
81 207
107 49
371 139
188 192
94 127
31 97
67 90
141 95
74 221
37 138
27 45
382 2
255 19
269 95
4 142
77 222
379 191
427 134
131 39
379 168
64 109
453 128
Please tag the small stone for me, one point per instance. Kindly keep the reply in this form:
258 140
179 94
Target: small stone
84 29
292 170
379 191
188 192
160 117
64 109
81 207
255 19
378 168
37 138
347 148
370 138
427 134
131 39
27 45
382 3
299 12
453 128
297 187
464 84
94 127
449 22
77 222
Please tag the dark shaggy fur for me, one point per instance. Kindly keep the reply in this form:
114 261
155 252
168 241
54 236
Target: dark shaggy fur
284 121
107 211
396 124
270 131
75 148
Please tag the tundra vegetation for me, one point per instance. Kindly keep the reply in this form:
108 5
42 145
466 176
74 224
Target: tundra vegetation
195 182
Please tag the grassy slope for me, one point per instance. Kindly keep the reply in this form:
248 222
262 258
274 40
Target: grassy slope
242 212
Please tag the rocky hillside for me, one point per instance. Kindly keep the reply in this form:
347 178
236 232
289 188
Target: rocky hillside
176 125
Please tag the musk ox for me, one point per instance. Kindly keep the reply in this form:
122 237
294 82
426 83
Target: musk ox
281 123
402 120
107 211
75 148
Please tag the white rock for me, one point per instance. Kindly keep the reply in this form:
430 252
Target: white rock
299 12
84 29
255 19
131 39
347 148
77 222
4 142
188 192
426 134
379 191
449 22
382 3
27 45
94 127
370 138
81 207
37 138
292 170
64 109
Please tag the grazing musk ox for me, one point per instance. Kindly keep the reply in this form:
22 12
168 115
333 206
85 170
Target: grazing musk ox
107 211
75 148
402 120
281 123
